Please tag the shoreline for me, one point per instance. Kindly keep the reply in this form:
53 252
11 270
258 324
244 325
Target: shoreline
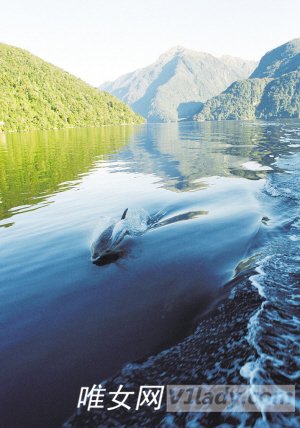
268 120
70 127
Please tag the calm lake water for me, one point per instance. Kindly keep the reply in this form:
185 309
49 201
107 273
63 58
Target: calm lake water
224 191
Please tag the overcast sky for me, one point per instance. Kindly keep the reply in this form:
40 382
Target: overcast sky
99 40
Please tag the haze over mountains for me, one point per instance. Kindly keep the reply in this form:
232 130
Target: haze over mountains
272 91
178 83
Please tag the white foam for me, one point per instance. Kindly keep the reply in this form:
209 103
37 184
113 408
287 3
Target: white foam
260 273
137 220
294 238
248 369
271 190
255 166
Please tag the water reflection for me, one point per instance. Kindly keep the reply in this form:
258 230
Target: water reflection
37 164
34 165
182 154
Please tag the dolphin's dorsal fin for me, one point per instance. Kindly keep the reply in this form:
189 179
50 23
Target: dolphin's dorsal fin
124 214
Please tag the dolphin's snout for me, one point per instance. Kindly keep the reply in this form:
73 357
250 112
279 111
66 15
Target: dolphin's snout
105 257
98 255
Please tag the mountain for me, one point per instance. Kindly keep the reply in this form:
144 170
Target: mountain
178 83
242 67
272 91
38 95
279 61
281 97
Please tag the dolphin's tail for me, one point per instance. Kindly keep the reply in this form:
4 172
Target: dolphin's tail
124 214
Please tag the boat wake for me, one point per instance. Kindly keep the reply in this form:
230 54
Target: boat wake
273 331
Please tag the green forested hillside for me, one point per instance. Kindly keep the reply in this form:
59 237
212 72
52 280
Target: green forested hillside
279 61
256 98
272 91
281 97
239 101
37 95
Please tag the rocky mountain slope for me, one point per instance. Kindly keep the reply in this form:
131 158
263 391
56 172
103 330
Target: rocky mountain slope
178 83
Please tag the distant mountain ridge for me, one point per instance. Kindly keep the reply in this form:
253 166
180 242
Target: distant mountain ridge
272 91
176 85
37 95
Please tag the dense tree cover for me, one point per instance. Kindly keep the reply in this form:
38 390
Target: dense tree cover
37 95
256 98
279 61
272 91
239 101
281 97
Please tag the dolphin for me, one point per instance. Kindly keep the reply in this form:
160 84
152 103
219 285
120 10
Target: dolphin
105 249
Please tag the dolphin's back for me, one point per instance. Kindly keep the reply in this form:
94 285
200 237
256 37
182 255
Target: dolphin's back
103 242
124 214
